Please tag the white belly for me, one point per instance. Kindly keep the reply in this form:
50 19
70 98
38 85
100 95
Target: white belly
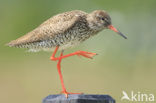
63 47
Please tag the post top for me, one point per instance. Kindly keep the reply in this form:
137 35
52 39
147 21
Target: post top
78 98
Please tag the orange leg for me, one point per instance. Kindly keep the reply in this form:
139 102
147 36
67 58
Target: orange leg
79 53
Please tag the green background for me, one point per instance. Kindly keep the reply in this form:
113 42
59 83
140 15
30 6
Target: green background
128 65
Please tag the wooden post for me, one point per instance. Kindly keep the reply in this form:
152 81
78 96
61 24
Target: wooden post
78 98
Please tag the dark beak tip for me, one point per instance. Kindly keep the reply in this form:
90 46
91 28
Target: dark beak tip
125 37
122 35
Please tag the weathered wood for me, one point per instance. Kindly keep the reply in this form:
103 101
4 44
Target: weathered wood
78 98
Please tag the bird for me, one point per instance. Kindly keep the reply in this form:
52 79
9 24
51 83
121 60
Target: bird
65 30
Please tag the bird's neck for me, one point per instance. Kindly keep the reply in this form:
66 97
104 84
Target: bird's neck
92 24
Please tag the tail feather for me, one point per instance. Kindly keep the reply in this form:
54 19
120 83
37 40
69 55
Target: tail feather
15 43
12 44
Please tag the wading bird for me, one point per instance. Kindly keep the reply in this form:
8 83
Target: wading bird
63 31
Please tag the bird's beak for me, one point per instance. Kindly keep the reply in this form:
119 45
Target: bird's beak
117 31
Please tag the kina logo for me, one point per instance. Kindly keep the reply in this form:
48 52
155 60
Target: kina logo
137 96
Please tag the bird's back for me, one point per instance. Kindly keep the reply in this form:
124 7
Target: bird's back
53 32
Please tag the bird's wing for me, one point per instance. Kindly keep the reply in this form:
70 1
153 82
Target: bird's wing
50 28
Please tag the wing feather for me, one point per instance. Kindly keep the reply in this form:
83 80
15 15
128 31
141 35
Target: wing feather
50 28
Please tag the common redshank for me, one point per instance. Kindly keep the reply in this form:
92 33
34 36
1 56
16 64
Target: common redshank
65 30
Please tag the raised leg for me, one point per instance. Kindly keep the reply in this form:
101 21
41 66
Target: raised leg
79 53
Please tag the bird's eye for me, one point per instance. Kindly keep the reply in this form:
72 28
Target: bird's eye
103 19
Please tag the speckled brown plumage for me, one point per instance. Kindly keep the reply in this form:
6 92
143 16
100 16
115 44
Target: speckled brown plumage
64 30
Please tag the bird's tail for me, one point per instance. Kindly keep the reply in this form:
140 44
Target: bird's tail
12 44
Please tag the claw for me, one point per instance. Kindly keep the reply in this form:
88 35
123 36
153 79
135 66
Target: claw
68 93
86 54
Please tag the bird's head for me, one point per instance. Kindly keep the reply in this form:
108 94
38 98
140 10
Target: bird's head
100 20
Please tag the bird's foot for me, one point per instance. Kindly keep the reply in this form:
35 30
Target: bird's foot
85 54
68 93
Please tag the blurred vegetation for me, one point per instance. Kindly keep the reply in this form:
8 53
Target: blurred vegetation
121 64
